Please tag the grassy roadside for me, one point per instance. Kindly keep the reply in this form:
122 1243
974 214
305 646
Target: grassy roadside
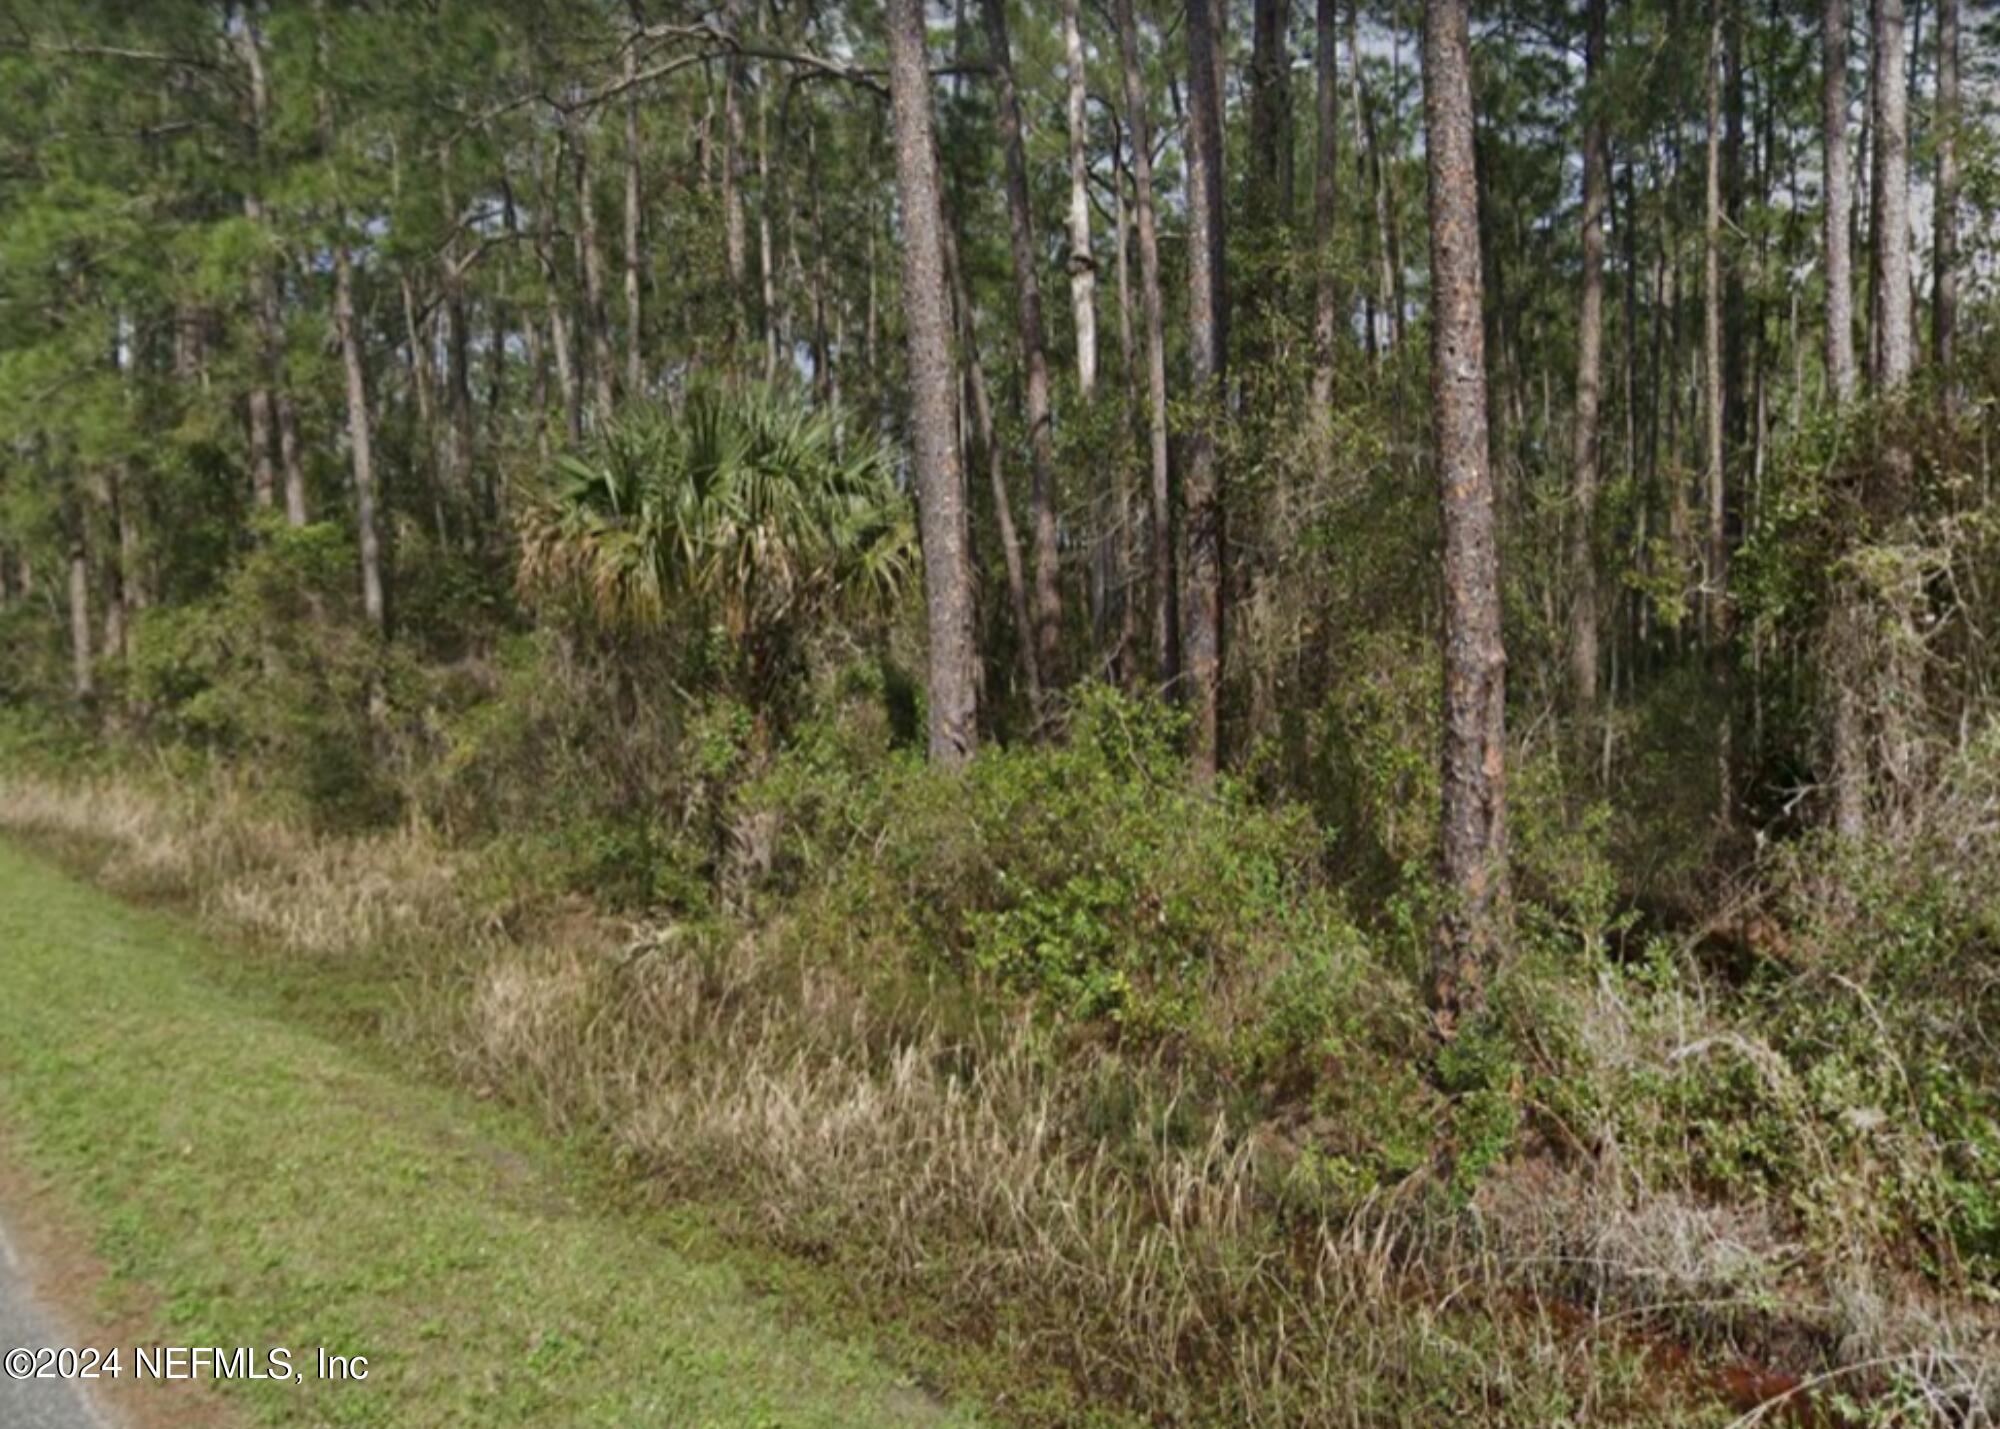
273 1188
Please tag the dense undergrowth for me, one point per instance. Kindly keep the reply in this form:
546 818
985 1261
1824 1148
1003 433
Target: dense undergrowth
1120 1086
1113 1078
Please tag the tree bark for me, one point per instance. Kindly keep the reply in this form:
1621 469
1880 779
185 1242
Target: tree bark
1034 358
1126 578
1895 354
291 460
1944 252
1326 206
603 366
1715 577
83 668
1166 576
635 332
1585 437
1208 349
940 480
1387 282
1082 265
1270 109
360 434
263 287
1840 372
360 437
116 622
735 229
559 331
1473 813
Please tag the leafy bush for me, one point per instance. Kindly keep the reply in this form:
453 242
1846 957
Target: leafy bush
276 669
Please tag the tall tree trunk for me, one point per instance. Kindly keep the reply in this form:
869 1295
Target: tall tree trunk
1895 354
635 332
985 430
417 342
360 437
824 384
1386 281
117 525
735 226
1863 681
1166 575
559 331
940 481
1589 390
455 479
1326 206
263 286
1474 805
1122 270
1082 265
1034 359
1944 226
603 366
1715 578
346 326
767 274
1840 373
291 460
1208 349
83 668
1270 107
1125 580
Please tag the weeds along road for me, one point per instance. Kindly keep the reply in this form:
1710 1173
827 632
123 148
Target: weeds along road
244 1182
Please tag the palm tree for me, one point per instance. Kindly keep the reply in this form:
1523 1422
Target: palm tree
747 509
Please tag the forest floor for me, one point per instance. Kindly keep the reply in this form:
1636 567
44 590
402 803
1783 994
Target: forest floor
198 1160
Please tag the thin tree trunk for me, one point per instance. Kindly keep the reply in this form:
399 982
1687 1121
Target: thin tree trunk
767 275
1326 207
1715 578
1034 359
263 289
1270 105
359 437
1166 575
559 331
603 365
823 379
940 481
291 460
115 622
360 434
1208 348
986 431
635 332
1583 664
1840 372
735 226
1944 253
1365 134
1473 814
83 667
461 434
1122 268
1082 265
1126 579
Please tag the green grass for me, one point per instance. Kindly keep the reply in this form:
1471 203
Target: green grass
264 1186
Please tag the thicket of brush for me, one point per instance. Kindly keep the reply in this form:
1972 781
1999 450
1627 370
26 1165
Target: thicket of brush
1098 1073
